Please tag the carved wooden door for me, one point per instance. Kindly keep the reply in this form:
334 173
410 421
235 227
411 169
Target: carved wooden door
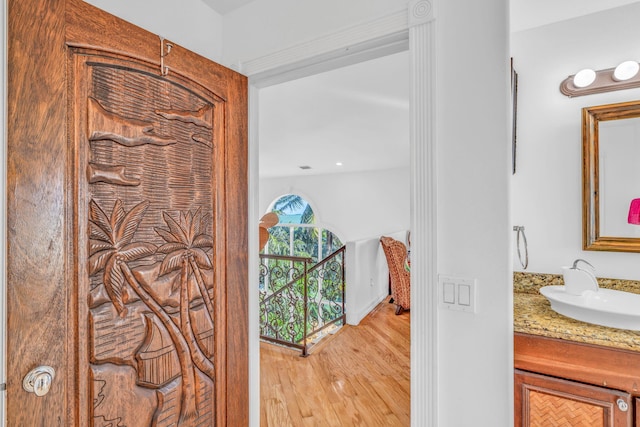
127 225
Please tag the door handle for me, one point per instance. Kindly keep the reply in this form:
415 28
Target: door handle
39 380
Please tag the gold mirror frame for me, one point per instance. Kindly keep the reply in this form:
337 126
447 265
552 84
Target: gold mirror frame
591 117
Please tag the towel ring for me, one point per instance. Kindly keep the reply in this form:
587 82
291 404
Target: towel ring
519 229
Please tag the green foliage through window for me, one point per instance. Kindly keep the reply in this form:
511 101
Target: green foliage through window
295 235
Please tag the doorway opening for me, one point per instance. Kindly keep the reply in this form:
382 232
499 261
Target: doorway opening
342 137
390 34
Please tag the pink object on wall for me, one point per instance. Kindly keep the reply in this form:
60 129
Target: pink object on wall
634 212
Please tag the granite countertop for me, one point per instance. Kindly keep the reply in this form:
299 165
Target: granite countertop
533 314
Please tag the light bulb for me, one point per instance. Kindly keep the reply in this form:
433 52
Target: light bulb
584 78
626 70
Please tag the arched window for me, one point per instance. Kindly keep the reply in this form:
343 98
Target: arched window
296 233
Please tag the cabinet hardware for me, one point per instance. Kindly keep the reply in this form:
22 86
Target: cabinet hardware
622 405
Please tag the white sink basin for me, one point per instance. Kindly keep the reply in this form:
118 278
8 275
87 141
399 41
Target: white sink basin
606 307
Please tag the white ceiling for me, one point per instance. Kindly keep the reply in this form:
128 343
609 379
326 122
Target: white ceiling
358 115
526 14
225 6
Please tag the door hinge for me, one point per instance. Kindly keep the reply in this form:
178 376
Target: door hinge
3 386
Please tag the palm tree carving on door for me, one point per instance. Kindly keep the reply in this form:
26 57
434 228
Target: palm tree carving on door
149 149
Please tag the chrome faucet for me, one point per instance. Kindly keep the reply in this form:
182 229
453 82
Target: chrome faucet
578 280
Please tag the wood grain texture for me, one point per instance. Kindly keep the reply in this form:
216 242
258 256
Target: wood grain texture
48 211
359 377
107 32
550 410
545 401
236 215
36 162
158 234
591 364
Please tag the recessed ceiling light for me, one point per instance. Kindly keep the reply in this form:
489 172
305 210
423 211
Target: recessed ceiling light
304 167
338 163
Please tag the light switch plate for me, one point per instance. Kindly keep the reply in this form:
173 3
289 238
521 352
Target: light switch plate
457 293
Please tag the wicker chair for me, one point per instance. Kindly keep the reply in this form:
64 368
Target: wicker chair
396 254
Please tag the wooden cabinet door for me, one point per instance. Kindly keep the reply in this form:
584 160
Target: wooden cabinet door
127 225
542 401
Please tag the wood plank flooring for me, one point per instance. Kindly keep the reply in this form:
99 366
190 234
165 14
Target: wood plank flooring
358 377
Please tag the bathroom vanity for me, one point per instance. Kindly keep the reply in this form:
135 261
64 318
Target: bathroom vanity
571 373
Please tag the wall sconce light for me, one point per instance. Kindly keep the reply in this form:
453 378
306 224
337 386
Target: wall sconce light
587 82
584 78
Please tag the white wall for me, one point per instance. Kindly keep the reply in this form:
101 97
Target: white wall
475 350
263 27
366 276
352 205
527 14
546 190
190 23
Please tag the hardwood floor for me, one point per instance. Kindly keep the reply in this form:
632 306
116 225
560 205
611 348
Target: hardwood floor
358 377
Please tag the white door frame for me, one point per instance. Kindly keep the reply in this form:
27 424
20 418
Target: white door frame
414 29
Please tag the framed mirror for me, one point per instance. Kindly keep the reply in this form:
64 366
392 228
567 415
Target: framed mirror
610 176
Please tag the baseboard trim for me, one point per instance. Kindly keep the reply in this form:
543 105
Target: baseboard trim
355 318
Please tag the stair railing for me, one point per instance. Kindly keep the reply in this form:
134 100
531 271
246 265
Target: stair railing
298 302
